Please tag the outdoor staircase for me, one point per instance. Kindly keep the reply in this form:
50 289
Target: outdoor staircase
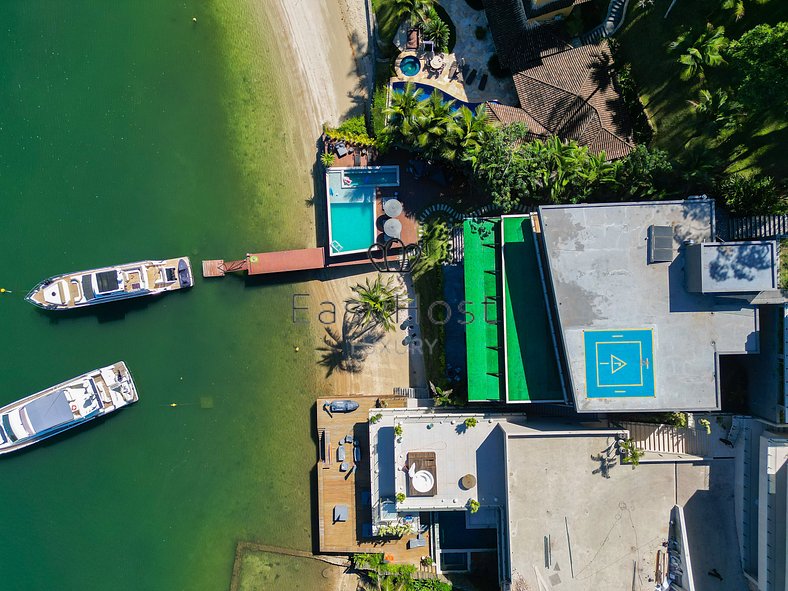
616 12
457 245
420 393
667 439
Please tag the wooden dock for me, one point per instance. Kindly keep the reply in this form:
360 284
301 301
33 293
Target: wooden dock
341 488
283 261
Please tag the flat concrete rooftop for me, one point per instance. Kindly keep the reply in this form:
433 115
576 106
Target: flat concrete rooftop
598 265
458 450
573 530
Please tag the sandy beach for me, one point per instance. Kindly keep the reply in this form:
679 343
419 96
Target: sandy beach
324 42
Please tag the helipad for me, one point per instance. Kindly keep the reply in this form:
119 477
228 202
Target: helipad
619 363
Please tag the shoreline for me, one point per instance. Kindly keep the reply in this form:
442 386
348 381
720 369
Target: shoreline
328 40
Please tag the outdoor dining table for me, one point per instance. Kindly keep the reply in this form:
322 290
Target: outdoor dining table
436 62
392 207
393 228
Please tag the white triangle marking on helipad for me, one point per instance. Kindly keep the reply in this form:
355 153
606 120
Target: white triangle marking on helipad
616 364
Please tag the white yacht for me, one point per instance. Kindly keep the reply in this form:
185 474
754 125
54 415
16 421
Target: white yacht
64 406
109 284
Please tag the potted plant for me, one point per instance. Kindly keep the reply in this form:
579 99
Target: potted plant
400 497
375 418
473 505
327 159
470 422
398 430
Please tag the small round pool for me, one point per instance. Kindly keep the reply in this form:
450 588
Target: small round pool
410 65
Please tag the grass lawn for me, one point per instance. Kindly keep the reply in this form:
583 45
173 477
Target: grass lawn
644 42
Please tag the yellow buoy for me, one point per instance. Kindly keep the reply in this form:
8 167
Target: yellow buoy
173 404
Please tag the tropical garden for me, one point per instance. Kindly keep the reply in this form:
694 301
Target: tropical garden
711 78
706 90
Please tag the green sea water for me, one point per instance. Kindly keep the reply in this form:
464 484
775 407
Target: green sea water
128 131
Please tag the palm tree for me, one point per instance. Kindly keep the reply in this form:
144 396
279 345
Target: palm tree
706 51
737 6
716 108
438 31
556 162
466 134
433 124
392 12
595 172
376 303
405 104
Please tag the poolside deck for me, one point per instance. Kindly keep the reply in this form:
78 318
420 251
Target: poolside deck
339 488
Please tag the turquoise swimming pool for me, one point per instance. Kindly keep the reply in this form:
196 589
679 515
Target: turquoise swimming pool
352 228
350 202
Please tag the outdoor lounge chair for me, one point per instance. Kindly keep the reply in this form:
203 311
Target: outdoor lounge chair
483 82
341 453
341 149
357 159
453 71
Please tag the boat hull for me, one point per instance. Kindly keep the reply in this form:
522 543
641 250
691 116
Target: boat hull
111 284
35 418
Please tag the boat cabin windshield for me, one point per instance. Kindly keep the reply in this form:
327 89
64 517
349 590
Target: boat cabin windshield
107 281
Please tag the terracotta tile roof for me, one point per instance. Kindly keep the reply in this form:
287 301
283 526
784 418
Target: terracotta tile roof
563 90
505 114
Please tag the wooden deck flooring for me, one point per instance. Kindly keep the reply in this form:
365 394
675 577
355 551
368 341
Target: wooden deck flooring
336 488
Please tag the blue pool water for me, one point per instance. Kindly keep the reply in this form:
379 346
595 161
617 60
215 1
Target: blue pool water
410 65
372 176
351 195
352 226
427 90
619 363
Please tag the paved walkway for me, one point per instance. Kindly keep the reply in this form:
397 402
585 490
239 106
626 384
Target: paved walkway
475 52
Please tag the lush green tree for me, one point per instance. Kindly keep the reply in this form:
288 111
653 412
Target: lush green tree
466 135
555 166
500 168
645 173
752 195
376 303
596 178
760 61
699 165
705 51
737 6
